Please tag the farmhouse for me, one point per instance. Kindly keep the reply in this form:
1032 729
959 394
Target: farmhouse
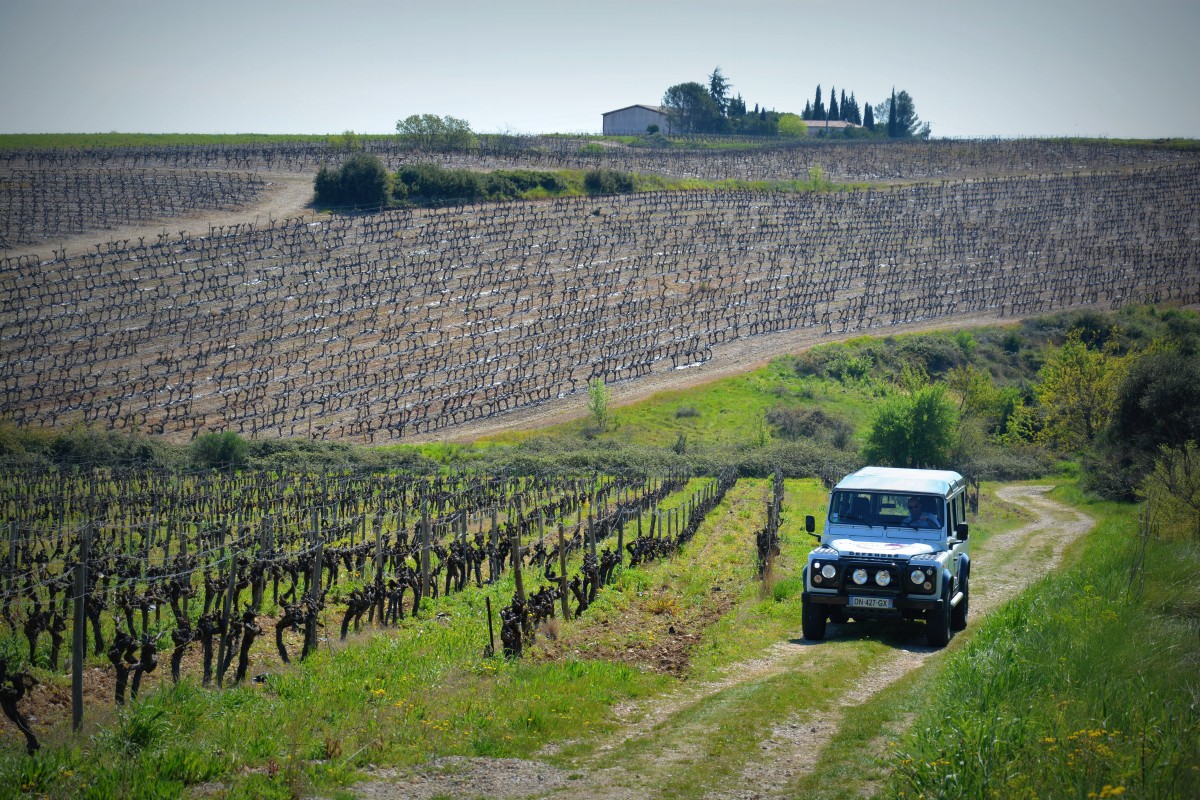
633 120
824 127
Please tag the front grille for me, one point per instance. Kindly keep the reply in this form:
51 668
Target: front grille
895 571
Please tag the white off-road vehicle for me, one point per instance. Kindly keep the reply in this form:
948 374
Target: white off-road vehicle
894 546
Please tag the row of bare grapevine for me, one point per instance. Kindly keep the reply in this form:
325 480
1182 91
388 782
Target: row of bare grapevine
133 560
838 160
51 204
377 327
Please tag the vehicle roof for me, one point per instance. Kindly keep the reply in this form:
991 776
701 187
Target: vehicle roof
896 479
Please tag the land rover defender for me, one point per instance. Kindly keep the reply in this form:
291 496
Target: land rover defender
894 546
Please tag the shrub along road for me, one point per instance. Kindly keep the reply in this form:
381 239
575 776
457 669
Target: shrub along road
765 727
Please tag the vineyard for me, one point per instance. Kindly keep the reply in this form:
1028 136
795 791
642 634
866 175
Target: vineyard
135 566
840 161
411 324
54 203
402 324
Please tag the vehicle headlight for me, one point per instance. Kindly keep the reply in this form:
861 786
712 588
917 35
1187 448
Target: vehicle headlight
883 577
917 576
829 570
860 576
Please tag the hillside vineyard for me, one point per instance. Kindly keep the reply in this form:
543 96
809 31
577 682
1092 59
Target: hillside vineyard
38 204
838 160
373 328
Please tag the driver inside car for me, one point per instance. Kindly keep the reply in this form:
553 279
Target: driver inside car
918 517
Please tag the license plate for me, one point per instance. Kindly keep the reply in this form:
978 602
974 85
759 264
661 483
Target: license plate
871 602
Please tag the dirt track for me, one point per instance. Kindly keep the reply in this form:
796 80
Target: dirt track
666 732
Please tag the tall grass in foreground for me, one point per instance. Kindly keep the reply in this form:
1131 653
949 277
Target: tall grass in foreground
1078 688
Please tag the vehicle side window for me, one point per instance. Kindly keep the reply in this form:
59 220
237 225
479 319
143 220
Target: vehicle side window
953 512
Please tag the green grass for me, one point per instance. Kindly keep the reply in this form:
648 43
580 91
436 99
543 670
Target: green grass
1081 687
725 412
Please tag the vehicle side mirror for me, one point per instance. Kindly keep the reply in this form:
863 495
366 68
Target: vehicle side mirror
810 524
961 531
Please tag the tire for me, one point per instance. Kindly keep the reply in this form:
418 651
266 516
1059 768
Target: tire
937 623
812 621
958 617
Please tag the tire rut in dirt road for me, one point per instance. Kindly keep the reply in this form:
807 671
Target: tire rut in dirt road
664 735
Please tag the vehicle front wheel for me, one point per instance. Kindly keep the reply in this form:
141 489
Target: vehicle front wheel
958 618
937 623
812 621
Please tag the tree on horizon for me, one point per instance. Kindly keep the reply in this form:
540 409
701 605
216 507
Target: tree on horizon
718 89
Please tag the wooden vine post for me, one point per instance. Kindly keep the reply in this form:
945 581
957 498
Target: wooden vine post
620 534
79 632
562 572
515 539
424 554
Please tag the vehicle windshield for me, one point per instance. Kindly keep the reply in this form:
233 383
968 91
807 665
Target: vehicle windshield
887 509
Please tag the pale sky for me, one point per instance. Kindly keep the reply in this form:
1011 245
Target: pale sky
994 68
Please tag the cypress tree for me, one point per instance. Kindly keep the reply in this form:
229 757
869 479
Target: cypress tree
845 109
892 131
854 115
868 118
818 106
807 113
834 113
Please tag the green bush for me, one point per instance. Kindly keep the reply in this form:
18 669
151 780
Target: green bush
431 183
360 181
1017 462
795 422
841 362
83 447
1157 404
219 451
914 430
937 353
801 459
1012 342
426 183
607 181
513 184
